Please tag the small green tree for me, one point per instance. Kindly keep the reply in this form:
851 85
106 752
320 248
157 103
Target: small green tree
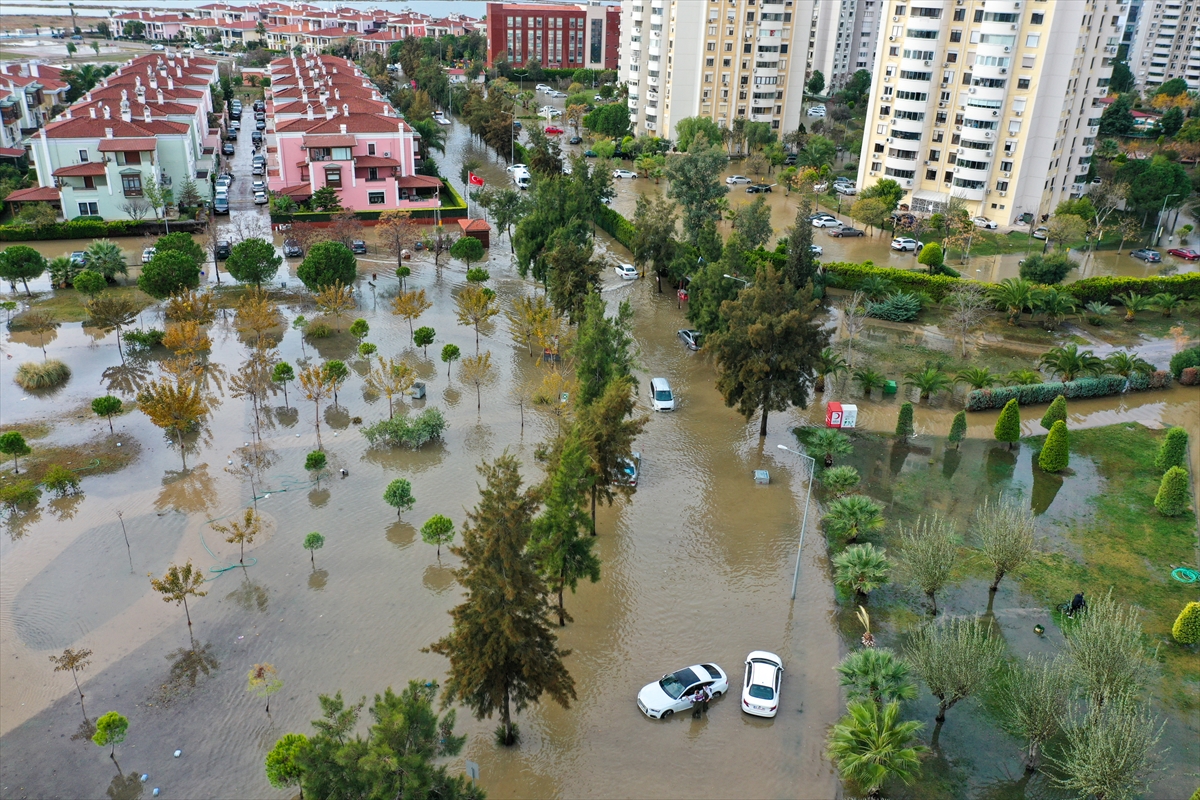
1057 411
1172 452
423 337
1005 530
450 354
1186 629
312 543
106 406
932 256
253 261
285 761
904 422
399 496
13 444
876 674
168 273
438 530
61 480
467 249
76 661
956 658
1035 697
89 283
20 262
1008 426
336 373
958 429
1055 455
853 515
477 274
928 554
359 329
870 746
111 729
315 462
839 481
327 263
861 567
1172 497
281 373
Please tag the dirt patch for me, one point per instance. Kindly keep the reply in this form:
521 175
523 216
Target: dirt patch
99 456
32 431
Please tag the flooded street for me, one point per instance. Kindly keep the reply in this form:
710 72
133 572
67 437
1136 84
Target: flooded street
696 566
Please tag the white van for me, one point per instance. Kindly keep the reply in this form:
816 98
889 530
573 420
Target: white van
521 179
661 397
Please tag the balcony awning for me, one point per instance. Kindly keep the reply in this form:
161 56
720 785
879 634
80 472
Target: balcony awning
330 140
375 161
127 145
76 170
419 182
35 194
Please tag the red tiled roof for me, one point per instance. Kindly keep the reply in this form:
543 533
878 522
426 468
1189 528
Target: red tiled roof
122 145
37 194
75 170
419 182
299 190
474 226
11 152
331 140
375 161
88 128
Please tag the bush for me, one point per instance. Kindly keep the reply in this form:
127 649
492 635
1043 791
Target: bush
896 307
616 226
328 263
72 229
1049 269
958 427
1189 377
1008 425
845 275
1186 629
1036 393
143 340
1057 411
1055 455
1183 360
1173 450
401 431
19 493
317 330
1105 288
61 481
904 422
168 273
1172 497
45 375
314 461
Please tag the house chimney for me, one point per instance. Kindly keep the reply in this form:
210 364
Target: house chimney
108 132
153 81
107 111
126 111
170 83
343 126
304 96
185 64
67 116
330 112
160 97
146 113
346 109
337 93
93 111
178 72
310 110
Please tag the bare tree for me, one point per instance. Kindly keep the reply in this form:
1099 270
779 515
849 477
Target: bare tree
1104 645
929 551
1005 530
1035 696
854 317
967 304
136 210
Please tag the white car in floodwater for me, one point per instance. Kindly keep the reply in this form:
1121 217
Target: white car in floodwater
627 271
673 692
760 689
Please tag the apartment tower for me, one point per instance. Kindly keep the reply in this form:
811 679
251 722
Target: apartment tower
1166 44
995 102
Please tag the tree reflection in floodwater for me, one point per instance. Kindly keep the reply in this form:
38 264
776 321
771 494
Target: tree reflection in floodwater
190 491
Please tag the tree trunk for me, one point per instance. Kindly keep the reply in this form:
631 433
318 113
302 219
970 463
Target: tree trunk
27 292
1031 757
933 600
478 398
285 399
110 427
312 555
762 427
996 580
593 511
187 613
120 352
318 421
562 622
506 720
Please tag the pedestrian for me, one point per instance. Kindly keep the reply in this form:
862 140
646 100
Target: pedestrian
704 698
697 700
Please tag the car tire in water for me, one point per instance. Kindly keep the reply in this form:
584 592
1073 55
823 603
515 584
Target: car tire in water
717 694
666 714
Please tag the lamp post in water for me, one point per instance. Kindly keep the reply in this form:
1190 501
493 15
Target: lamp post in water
812 469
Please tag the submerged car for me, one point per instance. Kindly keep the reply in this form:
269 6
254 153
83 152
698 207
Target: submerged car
1147 255
735 179
827 222
223 250
292 248
672 692
148 254
760 690
624 173
984 222
261 199
759 188
816 249
691 338
627 474
627 271
845 231
905 245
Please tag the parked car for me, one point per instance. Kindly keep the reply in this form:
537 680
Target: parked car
551 110
158 47
691 338
227 149
673 692
575 140
627 271
79 258
259 185
984 222
589 153
816 249
223 250
256 137
292 248
627 475
554 130
624 173
231 134
759 188
221 204
905 244
1186 253
558 95
261 199
790 160
147 254
816 111
760 690
260 125
516 124
511 168
845 231
541 87
1147 255
1041 233
258 169
845 188
736 179
661 396
358 246
826 222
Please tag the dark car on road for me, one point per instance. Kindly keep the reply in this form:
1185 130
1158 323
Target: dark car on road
228 149
790 160
231 135
691 338
292 248
845 230
261 125
224 248
1147 255
759 188
358 246
574 140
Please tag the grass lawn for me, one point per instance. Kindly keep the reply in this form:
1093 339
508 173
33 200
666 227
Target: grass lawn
67 305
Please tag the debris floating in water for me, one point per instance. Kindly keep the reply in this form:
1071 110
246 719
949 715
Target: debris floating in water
145 777
178 753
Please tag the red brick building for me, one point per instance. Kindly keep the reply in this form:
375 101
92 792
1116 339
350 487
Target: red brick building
556 36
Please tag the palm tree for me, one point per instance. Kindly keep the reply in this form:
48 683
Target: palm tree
874 287
828 363
1124 363
869 379
1014 295
850 516
1166 302
1022 377
1133 303
829 443
977 377
861 567
1054 305
870 746
433 137
1068 362
1097 311
876 674
929 381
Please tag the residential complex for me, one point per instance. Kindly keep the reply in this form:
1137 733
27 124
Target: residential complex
583 35
842 37
330 127
146 122
28 94
996 102
1166 44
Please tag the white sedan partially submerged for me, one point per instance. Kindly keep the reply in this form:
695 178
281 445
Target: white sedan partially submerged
673 692
627 271
760 689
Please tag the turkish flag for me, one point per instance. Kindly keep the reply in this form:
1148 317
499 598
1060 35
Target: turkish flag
474 179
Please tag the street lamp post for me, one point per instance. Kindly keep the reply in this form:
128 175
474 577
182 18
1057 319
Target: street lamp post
1158 228
744 283
812 469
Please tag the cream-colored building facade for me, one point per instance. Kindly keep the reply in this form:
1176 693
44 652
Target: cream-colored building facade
992 101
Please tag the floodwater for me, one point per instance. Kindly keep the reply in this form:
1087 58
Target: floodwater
697 566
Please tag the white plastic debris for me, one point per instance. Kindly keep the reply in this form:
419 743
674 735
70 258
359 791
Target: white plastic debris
145 777
178 753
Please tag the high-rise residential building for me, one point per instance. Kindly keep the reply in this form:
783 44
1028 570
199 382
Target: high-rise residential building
1166 44
996 102
843 38
558 36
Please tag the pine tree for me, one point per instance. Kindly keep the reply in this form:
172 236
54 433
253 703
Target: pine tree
1172 497
1056 411
904 423
1008 426
502 653
1186 629
559 545
958 429
1173 450
1055 453
607 430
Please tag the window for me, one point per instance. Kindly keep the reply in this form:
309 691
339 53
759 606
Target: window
749 16
972 164
333 177
1002 186
893 51
131 185
130 157
1036 18
370 148
708 62
375 198
597 43
89 210
960 14
956 36
711 46
899 173
1014 126
952 57
372 173
912 96
915 76
924 55
879 147
931 174
1022 83
83 156
991 16
921 34
1006 166
1032 39
910 135
1027 62
726 62
935 155
965 184
729 47
949 176
746 48
89 182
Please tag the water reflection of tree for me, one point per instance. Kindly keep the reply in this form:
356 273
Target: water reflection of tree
340 346
189 491
337 417
249 595
401 534
317 498
287 417
125 787
317 579
428 457
18 523
85 731
64 508
127 378
187 665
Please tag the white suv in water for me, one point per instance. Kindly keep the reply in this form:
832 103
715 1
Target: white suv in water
661 397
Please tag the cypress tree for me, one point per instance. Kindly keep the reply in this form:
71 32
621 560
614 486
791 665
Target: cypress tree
1008 426
1172 498
1056 411
1173 450
1186 629
1055 454
801 265
502 652
904 423
958 428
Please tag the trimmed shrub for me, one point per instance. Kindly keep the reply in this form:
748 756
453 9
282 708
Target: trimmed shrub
904 423
1190 376
15 494
45 375
1037 393
327 263
1008 426
1056 411
317 330
1172 497
1183 360
401 431
1106 287
1173 450
1048 269
1055 455
896 307
958 428
1186 629
143 340
616 226
845 275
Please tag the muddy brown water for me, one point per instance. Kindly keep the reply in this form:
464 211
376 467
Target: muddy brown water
697 566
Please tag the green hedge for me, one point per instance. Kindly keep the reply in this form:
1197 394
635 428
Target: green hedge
846 275
89 228
454 208
616 226
1035 393
1106 287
